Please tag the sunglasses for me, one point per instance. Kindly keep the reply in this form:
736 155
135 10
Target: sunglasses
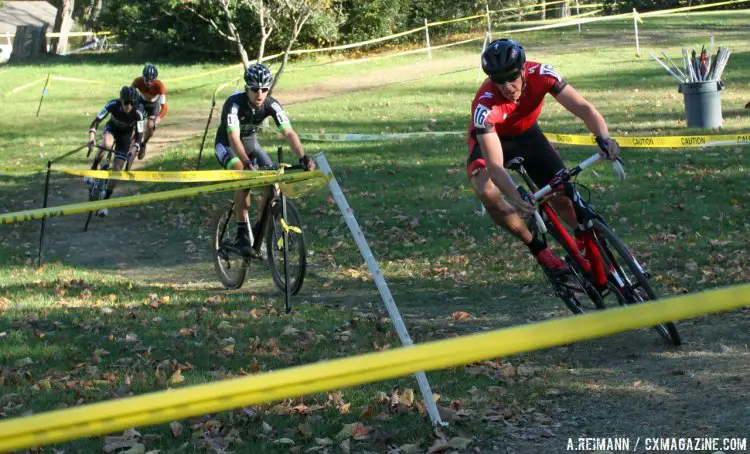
505 78
257 89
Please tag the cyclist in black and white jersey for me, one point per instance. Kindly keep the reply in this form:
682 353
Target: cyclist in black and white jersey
237 144
124 130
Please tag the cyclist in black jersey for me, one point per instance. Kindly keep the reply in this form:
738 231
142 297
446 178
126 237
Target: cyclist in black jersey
124 130
237 144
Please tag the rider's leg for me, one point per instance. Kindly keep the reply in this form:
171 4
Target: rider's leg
499 210
150 128
107 141
256 153
506 217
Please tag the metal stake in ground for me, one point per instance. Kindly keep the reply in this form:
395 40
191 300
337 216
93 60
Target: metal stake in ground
385 293
44 205
285 236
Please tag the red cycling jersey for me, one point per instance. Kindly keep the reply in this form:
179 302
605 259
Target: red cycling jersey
157 92
492 112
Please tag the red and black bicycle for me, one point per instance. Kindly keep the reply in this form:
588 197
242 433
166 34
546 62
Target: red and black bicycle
600 264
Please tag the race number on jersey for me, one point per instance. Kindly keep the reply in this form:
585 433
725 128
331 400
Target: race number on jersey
480 116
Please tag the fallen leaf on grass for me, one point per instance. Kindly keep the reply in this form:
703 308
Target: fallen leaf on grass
176 378
176 428
356 430
459 443
24 362
304 429
284 441
324 441
461 315
129 439
290 331
266 428
345 446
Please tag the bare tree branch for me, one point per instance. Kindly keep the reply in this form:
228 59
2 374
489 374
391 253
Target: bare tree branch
211 22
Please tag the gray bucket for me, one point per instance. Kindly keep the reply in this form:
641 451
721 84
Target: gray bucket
703 103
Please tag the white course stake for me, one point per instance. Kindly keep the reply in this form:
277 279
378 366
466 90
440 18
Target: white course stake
385 293
427 38
635 26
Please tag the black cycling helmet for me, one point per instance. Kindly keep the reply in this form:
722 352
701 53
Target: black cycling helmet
129 95
503 60
258 75
150 72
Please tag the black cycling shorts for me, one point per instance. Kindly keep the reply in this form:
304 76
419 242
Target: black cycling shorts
540 158
123 139
152 109
227 157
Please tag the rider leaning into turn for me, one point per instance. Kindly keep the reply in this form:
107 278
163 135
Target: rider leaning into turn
154 100
237 144
124 130
504 126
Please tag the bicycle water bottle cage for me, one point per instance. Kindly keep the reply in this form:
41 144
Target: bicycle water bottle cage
515 163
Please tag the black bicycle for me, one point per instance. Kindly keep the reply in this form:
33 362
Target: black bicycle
98 188
607 267
231 265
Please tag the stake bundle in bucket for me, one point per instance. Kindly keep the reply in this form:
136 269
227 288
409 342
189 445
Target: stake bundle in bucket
700 84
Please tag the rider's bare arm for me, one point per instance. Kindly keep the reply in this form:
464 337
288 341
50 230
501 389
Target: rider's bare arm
578 106
235 143
293 140
492 150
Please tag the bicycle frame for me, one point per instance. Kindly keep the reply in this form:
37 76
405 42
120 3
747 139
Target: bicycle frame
560 185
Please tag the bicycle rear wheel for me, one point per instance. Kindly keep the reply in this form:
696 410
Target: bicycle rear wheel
97 192
628 276
231 268
297 253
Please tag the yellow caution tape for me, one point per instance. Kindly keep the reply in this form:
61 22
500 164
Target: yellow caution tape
562 20
657 142
570 139
74 79
77 208
290 228
460 19
689 8
185 176
362 43
207 73
73 34
176 404
25 86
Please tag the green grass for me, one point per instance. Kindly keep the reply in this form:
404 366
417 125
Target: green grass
682 209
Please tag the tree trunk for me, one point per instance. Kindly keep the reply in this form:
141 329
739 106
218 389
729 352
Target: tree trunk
29 43
561 10
94 12
63 24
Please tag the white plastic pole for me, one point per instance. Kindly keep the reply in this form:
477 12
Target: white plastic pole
635 26
385 293
484 46
489 23
578 13
427 37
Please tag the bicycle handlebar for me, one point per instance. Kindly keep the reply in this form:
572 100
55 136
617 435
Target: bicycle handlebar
567 175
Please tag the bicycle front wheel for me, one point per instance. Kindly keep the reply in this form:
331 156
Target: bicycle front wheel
629 277
230 267
297 254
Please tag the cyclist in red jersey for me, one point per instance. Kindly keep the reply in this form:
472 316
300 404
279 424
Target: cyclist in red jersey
504 126
154 95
